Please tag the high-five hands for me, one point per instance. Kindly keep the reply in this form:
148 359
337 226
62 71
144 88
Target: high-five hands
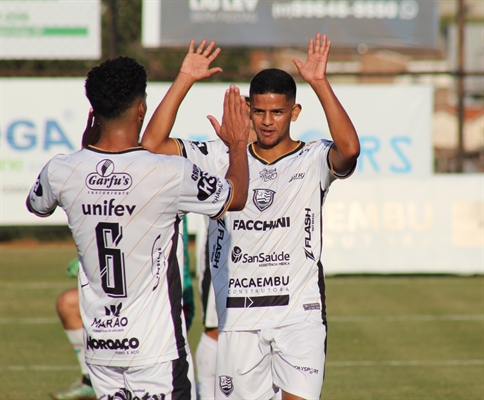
314 68
235 120
196 64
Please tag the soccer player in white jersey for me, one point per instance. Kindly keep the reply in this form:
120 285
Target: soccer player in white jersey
266 266
124 206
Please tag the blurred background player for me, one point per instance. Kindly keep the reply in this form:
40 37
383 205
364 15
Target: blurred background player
68 310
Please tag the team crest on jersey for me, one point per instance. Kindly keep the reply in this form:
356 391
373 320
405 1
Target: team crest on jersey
226 385
202 146
207 184
105 179
38 188
263 198
268 174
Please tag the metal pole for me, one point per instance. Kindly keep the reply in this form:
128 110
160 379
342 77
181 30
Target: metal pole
113 29
460 85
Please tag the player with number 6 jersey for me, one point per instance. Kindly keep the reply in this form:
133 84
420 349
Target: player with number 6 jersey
124 207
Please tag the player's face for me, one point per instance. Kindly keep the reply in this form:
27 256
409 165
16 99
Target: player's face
271 115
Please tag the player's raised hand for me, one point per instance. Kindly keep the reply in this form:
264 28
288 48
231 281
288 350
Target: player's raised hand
315 66
235 120
196 64
92 132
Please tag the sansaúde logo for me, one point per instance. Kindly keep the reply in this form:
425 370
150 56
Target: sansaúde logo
236 254
105 179
263 198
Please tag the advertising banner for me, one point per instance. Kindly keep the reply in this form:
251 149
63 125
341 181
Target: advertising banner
46 29
386 226
348 23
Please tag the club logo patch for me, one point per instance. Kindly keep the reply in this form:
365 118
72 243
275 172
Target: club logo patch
268 174
226 385
202 147
263 198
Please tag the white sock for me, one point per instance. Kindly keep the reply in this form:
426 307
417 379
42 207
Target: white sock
206 358
75 336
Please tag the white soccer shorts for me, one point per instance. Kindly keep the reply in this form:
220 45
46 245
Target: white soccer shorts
171 380
253 364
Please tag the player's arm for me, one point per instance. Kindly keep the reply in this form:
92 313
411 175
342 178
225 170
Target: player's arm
346 148
41 200
234 131
195 67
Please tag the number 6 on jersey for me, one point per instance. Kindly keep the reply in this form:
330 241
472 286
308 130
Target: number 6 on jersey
111 259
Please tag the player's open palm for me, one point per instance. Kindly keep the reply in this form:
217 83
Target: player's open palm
235 120
314 68
197 63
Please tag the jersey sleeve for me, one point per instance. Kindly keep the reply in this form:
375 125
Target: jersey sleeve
41 200
203 193
211 156
328 175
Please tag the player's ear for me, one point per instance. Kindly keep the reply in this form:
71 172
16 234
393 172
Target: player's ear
142 108
296 109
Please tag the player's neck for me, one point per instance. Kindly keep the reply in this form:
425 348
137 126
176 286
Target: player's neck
273 153
118 140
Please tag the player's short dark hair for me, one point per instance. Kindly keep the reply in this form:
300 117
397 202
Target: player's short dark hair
114 85
273 80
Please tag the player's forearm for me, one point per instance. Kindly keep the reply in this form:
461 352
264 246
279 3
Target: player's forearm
238 174
341 128
156 135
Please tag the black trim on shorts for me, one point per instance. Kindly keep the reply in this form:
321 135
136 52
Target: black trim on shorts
259 301
175 291
181 383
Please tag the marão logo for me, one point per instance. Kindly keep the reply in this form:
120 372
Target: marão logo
106 179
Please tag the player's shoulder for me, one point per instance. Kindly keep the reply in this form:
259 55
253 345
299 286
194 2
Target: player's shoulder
320 144
208 148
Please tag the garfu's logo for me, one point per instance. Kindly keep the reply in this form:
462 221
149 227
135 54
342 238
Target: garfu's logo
105 179
268 174
226 385
263 198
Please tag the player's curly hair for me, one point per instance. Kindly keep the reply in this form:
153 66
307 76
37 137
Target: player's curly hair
114 85
273 80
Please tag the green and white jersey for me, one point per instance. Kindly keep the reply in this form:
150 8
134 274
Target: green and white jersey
124 211
266 259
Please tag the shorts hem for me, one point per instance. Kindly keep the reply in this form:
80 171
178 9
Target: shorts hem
307 396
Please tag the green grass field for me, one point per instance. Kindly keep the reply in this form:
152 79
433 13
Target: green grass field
415 337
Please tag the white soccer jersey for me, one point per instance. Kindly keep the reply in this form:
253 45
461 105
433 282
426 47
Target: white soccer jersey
266 259
124 211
